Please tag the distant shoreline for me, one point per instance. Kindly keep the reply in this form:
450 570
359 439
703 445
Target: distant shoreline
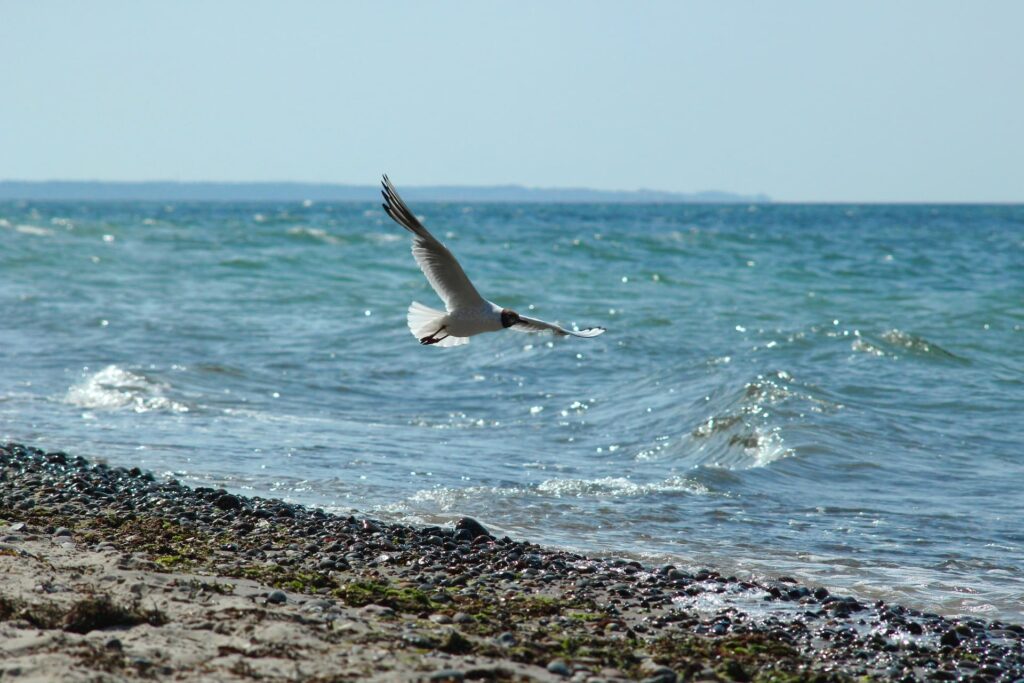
84 190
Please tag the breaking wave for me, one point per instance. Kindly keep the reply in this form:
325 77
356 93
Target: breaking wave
114 388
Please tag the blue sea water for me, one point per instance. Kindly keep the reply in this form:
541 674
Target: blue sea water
834 393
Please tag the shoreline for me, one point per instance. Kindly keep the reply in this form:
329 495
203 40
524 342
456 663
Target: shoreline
112 574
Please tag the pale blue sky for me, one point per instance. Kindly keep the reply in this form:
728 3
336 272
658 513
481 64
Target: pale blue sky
805 101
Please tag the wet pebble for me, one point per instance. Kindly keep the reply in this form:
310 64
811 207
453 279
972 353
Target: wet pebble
950 638
473 527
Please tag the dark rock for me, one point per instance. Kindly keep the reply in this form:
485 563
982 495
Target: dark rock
950 638
455 643
277 598
419 641
227 501
735 671
472 526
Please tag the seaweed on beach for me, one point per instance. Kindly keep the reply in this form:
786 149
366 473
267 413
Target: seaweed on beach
100 612
91 613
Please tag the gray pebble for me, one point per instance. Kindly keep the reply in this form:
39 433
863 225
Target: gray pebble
447 676
559 667
663 675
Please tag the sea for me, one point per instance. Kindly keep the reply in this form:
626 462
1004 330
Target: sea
833 393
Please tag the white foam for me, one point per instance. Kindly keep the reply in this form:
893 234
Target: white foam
446 498
617 487
33 230
314 233
863 346
114 388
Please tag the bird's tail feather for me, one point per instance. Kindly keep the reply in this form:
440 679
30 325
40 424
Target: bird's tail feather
425 321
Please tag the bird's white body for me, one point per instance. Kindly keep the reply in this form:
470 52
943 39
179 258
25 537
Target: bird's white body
467 313
459 325
467 322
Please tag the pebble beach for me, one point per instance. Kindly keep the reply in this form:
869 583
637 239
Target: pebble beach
114 574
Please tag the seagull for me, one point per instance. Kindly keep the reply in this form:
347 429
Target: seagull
466 312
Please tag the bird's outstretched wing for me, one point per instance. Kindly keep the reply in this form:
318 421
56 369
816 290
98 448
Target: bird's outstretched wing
526 324
439 265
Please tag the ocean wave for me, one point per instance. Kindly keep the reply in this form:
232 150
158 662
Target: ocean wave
447 498
741 434
745 447
917 345
616 487
313 234
26 229
861 345
114 388
894 343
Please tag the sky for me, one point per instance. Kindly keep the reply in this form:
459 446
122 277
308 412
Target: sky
873 101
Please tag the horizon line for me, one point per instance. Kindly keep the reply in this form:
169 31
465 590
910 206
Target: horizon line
672 196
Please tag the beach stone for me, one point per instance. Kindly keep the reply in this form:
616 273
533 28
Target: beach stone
559 667
472 526
378 610
419 641
455 643
662 675
277 598
447 676
950 638
113 644
507 639
227 502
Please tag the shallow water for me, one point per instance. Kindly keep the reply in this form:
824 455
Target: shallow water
829 392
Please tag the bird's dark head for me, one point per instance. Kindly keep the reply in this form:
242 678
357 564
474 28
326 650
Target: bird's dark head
508 317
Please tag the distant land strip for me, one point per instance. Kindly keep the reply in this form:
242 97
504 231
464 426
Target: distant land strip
75 190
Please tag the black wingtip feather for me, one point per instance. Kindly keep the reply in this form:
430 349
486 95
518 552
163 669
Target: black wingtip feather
398 211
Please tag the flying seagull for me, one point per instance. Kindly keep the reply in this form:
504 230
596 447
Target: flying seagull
467 313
